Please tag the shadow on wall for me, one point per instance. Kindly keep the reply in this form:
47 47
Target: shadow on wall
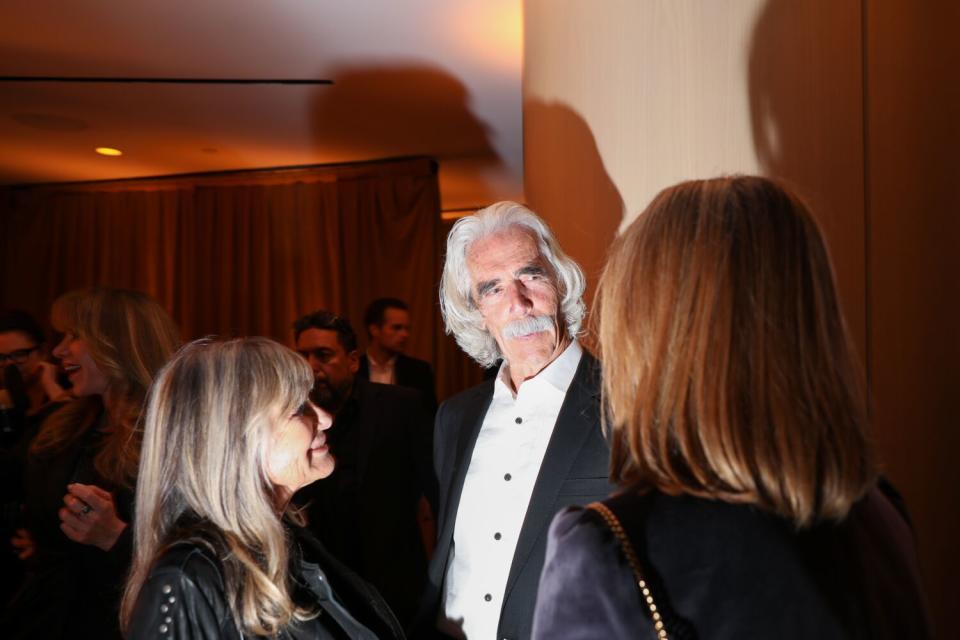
407 110
567 184
401 111
806 109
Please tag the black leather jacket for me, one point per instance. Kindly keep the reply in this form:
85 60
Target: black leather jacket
184 598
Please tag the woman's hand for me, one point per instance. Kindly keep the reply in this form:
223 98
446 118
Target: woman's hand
90 517
23 544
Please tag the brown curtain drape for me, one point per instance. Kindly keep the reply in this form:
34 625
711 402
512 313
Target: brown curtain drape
242 253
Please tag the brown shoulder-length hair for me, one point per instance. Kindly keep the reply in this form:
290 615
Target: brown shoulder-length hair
130 337
728 371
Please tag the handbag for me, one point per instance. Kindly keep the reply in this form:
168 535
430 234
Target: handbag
634 561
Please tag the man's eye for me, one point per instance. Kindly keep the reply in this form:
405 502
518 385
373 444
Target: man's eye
302 410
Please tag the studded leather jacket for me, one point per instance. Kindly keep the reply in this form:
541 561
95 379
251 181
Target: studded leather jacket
184 599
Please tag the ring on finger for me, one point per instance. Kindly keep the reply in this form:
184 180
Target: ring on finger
85 509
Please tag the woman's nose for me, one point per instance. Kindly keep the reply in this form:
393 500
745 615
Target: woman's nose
61 349
324 419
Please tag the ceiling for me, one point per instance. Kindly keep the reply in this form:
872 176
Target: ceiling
418 77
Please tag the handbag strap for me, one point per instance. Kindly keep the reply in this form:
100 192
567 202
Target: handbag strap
634 561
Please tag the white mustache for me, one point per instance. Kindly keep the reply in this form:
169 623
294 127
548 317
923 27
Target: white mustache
528 325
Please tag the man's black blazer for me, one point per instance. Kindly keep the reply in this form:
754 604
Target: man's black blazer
378 536
409 372
575 471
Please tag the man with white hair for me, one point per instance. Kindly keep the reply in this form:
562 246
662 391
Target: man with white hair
516 449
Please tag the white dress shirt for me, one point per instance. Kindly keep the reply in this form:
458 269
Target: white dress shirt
496 492
383 373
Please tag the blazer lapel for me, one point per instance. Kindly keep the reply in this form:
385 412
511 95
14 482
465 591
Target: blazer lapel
578 415
401 371
366 425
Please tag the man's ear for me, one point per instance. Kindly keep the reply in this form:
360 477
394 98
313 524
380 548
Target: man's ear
353 361
373 330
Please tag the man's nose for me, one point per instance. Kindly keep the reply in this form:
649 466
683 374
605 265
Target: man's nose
519 297
314 363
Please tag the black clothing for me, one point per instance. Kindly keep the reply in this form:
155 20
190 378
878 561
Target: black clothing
13 461
719 570
184 598
365 513
71 590
410 372
574 471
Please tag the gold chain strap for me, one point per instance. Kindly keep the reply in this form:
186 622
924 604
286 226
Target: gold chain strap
614 523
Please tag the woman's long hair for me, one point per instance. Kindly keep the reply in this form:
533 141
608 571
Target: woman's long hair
130 337
728 372
203 478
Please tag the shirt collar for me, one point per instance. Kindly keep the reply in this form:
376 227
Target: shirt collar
558 374
381 365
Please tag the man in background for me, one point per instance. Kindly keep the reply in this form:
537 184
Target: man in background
365 513
387 321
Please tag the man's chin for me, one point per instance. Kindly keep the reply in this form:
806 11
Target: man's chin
325 399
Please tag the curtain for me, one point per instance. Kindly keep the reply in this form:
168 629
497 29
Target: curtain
241 253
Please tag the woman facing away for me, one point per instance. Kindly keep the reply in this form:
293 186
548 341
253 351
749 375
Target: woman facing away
750 505
229 436
81 467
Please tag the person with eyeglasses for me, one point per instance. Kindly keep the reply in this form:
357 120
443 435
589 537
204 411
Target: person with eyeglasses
29 381
28 394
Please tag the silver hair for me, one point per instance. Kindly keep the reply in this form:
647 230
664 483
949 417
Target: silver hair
460 313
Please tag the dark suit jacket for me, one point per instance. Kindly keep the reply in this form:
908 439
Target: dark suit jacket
374 529
410 372
574 471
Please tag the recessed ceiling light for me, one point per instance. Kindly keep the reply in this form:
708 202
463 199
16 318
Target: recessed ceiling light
108 151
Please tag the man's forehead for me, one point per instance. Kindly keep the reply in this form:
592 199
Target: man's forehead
314 338
394 315
11 340
512 249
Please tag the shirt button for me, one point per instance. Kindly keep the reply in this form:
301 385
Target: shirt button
507 477
497 536
488 597
518 420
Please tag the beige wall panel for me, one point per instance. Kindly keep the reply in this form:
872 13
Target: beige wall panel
623 98
913 107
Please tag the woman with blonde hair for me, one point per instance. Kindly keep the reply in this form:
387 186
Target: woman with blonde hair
81 467
749 504
229 436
